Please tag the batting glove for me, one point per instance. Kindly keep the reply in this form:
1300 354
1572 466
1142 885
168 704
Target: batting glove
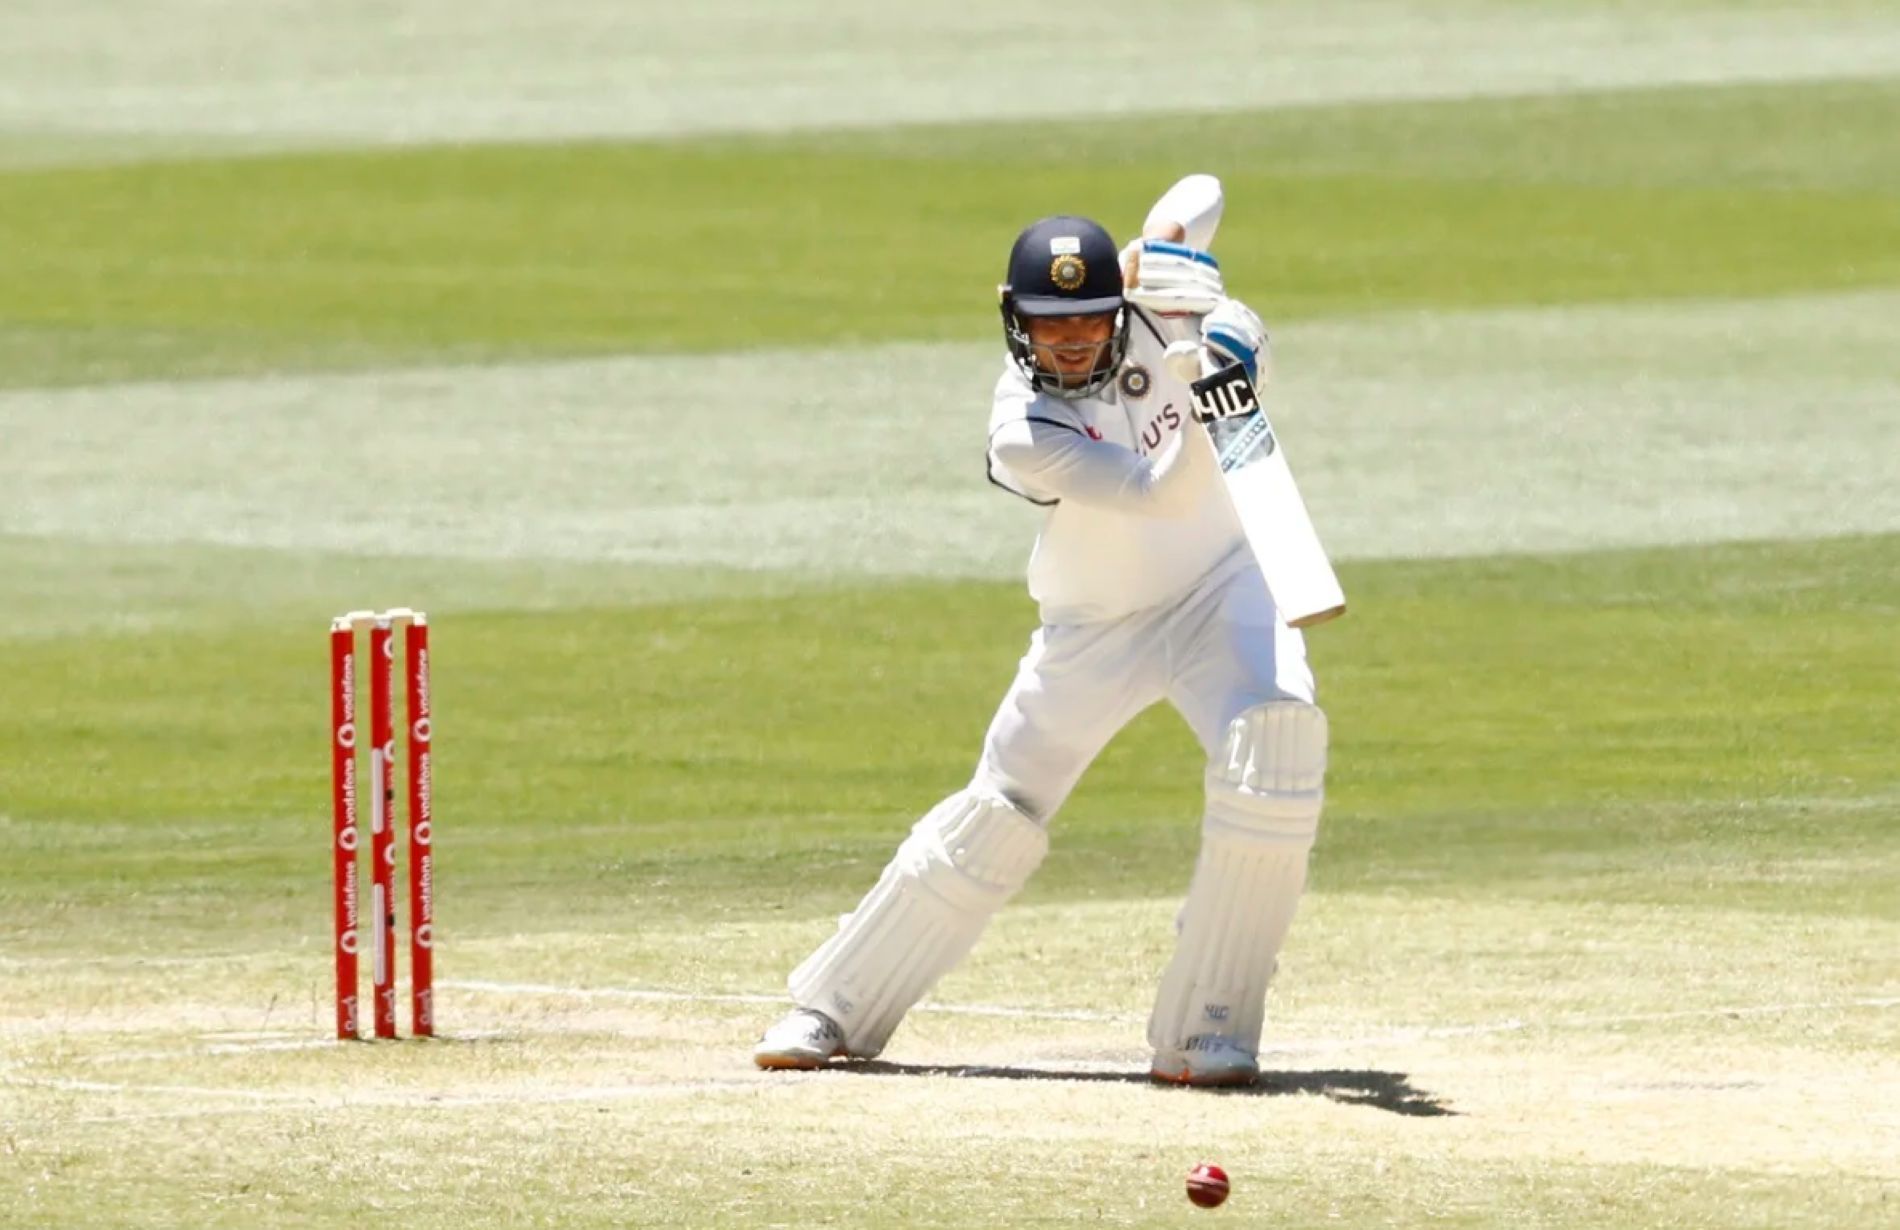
1172 279
1232 333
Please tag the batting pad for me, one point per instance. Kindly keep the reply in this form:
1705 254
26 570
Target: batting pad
1264 792
957 868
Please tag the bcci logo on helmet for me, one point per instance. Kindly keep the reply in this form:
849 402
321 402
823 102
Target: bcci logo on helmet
1068 272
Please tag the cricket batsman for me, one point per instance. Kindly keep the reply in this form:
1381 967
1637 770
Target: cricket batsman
1147 591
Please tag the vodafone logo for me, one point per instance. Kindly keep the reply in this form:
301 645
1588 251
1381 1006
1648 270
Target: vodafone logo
420 731
425 936
346 839
346 736
346 943
424 798
420 834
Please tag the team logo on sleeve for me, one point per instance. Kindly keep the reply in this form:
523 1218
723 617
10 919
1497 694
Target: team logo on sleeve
1068 272
1136 382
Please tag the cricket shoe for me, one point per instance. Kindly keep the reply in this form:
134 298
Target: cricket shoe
802 1038
1207 1061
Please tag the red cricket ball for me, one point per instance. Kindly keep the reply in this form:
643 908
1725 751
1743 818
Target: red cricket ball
1207 1185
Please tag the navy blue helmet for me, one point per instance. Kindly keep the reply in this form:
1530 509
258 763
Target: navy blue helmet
1064 266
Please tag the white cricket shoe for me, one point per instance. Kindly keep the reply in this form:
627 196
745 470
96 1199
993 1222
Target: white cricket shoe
1207 1061
802 1038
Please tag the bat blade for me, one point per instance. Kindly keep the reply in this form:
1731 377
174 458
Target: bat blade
1267 501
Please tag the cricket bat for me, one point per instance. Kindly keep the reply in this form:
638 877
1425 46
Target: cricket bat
1252 463
1265 498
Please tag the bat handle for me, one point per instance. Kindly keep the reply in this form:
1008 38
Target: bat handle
1183 360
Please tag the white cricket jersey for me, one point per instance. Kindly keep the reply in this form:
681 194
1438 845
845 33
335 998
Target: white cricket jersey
1137 514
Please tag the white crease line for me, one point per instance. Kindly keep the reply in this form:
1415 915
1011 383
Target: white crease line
778 1001
265 1101
216 1048
246 1048
1399 1036
202 1112
1825 1005
599 1092
1516 1025
234 958
1509 1025
318 1101
67 1084
268 1102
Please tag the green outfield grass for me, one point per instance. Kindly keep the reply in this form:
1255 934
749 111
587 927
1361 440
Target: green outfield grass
467 252
1591 727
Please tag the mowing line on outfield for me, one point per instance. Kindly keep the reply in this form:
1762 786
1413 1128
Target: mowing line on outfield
339 73
1447 416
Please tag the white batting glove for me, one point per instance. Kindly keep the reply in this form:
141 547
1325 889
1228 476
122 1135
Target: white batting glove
1224 368
1232 333
1172 279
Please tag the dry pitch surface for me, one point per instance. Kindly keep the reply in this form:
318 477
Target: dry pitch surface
593 1081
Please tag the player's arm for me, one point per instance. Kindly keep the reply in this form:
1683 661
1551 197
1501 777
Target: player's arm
1169 270
1051 461
1193 206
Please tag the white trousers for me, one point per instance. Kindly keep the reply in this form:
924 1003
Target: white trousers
1221 649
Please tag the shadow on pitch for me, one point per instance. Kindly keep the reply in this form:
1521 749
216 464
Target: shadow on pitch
1387 1091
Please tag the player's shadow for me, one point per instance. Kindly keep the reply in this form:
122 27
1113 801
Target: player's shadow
1387 1091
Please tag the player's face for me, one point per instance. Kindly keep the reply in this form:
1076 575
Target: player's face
1070 346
